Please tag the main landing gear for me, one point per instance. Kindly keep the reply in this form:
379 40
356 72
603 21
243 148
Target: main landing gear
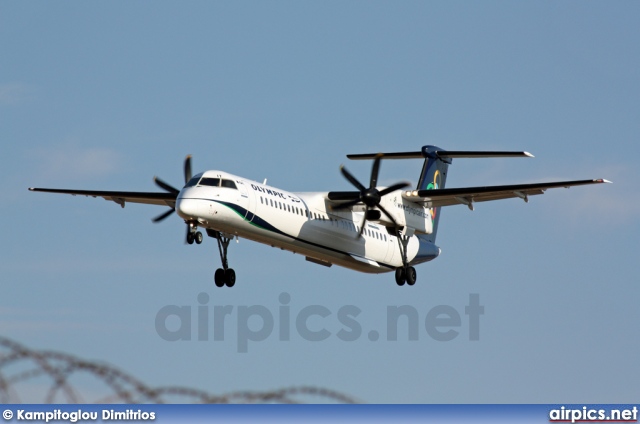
406 274
224 276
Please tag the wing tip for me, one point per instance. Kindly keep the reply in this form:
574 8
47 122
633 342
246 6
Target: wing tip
602 180
529 155
32 189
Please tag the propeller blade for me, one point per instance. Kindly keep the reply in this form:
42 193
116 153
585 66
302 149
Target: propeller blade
346 204
393 188
364 222
375 170
352 179
163 216
384 211
165 186
187 169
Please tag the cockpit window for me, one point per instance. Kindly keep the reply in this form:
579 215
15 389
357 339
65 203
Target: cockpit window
193 181
229 184
217 182
214 182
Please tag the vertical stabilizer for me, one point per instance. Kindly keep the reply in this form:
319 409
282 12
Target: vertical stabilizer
433 176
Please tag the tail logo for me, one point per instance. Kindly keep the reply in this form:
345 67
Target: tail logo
437 179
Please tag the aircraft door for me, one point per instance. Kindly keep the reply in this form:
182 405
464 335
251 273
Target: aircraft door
392 244
246 200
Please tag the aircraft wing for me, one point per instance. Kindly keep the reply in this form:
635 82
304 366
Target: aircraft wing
469 195
120 197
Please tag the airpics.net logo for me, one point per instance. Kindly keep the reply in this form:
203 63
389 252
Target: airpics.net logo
314 323
589 414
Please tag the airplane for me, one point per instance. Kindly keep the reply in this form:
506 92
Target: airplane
371 229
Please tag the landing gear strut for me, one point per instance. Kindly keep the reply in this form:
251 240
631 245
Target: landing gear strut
406 274
224 276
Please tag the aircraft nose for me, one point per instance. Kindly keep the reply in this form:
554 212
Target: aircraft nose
188 208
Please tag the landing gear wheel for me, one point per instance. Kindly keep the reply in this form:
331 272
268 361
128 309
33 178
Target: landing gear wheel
198 237
230 277
219 277
400 276
411 275
190 238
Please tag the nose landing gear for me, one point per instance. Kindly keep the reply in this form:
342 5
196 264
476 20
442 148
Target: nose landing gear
197 237
193 234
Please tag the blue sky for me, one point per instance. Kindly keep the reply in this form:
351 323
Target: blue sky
107 95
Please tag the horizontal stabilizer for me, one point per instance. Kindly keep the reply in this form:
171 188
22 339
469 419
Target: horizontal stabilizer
469 195
443 154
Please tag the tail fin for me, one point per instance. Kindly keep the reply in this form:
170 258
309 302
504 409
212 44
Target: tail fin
433 176
434 170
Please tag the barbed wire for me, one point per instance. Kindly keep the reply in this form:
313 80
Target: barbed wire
20 366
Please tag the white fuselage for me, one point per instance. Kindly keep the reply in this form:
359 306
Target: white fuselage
305 223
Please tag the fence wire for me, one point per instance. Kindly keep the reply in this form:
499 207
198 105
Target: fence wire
55 377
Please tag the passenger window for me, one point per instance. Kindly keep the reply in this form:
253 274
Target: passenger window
271 200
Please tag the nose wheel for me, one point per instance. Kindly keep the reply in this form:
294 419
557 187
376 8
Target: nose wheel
195 237
193 234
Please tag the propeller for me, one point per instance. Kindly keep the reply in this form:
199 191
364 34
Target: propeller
187 169
170 189
371 196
